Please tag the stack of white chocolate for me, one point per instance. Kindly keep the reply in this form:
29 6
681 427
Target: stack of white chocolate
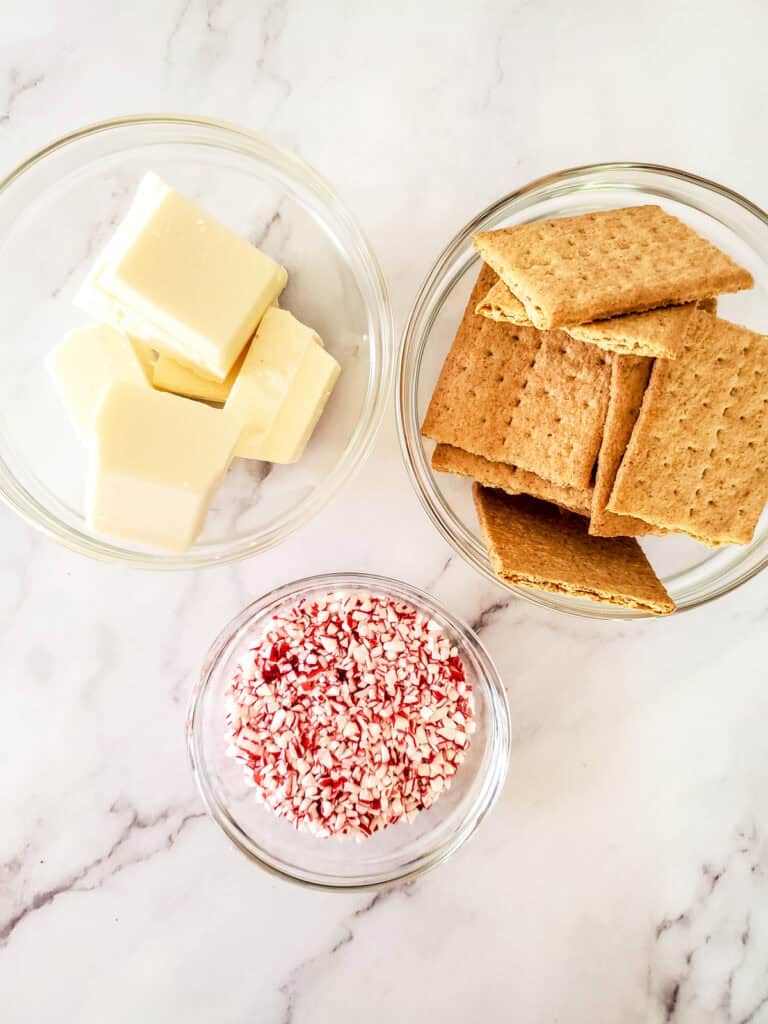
188 316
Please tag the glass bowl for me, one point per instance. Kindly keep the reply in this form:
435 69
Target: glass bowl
56 212
397 853
692 573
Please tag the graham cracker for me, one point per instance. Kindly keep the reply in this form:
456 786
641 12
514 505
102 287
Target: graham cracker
657 332
556 426
598 265
697 460
629 377
481 380
512 479
531 545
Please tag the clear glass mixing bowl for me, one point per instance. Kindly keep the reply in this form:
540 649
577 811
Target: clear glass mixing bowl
692 573
56 212
396 853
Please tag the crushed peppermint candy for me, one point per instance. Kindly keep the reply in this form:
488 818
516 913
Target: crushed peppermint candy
351 714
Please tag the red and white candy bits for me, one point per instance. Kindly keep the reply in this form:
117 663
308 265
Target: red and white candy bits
353 713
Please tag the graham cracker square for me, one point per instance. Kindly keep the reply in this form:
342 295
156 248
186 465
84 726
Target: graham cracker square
531 545
697 461
578 269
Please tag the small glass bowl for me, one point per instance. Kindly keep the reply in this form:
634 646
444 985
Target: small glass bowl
692 573
397 853
56 212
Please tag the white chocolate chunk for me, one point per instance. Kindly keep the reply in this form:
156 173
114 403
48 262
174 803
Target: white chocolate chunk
282 389
155 463
178 280
85 363
273 358
300 412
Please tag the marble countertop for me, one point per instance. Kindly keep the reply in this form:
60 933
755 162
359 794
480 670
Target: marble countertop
623 876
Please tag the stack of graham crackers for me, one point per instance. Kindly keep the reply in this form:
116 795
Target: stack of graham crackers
594 396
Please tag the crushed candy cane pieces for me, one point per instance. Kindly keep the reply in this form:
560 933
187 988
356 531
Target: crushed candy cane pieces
351 714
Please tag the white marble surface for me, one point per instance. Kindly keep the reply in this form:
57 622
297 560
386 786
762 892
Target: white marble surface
624 874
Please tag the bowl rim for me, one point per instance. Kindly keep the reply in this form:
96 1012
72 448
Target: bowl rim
381 366
489 678
405 390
